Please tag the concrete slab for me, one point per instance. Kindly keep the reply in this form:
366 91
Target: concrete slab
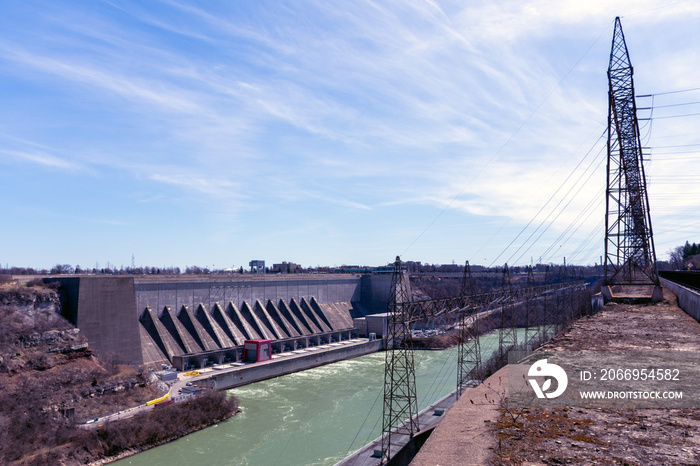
239 376
467 427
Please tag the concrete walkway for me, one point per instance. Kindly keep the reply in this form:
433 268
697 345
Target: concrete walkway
468 434
427 419
465 436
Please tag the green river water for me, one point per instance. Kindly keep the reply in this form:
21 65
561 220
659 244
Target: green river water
313 417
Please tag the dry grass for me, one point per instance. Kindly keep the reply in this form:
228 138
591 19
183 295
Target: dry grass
603 435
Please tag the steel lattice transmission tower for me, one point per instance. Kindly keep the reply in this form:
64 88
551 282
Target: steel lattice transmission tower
468 350
532 315
630 258
507 334
399 414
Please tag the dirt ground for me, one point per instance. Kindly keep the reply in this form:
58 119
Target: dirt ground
572 435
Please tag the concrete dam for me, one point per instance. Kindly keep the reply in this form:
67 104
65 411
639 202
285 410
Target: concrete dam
192 321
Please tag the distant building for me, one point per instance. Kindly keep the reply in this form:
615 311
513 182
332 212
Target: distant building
286 267
257 266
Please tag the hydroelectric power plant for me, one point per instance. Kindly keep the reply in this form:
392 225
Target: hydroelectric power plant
194 321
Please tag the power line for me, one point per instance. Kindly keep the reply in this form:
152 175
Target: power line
589 207
668 105
679 145
550 199
564 208
556 206
582 247
676 116
670 92
452 201
525 203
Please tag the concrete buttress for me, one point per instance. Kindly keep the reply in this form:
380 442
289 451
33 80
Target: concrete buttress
227 325
265 317
237 318
196 330
281 320
320 322
301 315
253 320
292 319
179 332
160 335
213 328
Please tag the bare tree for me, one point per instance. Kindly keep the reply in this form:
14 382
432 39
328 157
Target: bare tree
62 269
675 258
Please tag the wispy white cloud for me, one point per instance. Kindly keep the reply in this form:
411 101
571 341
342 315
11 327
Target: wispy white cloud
44 159
361 107
133 88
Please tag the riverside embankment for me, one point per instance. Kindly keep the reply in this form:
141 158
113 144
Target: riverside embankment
563 435
317 416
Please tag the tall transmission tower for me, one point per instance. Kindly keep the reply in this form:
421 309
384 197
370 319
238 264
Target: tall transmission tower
399 414
400 408
532 317
630 258
507 335
468 350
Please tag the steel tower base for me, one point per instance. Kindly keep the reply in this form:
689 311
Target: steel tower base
632 294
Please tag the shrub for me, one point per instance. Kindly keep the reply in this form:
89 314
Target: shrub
166 422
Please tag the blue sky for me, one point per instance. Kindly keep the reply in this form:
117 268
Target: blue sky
329 133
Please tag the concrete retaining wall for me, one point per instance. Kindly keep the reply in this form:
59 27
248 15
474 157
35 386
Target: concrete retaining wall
375 289
176 292
688 300
277 367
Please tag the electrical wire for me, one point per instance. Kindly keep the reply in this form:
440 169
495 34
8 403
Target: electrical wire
430 393
557 206
668 105
551 198
512 136
676 116
514 214
595 202
670 92
380 393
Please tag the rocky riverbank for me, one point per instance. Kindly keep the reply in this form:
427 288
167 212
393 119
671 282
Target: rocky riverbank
50 381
